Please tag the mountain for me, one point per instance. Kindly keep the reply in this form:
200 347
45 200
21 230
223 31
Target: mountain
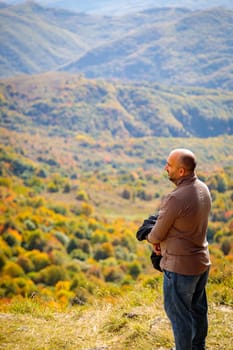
35 39
63 103
171 46
112 7
194 50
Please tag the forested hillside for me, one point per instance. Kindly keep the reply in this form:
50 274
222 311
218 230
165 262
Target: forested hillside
64 103
68 222
77 181
70 208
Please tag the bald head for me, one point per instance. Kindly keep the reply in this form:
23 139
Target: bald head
184 158
181 162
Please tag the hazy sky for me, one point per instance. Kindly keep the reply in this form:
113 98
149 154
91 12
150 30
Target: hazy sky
112 7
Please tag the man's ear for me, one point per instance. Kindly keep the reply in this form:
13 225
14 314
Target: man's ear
181 171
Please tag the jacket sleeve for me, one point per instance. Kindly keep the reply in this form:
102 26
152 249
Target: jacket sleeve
168 213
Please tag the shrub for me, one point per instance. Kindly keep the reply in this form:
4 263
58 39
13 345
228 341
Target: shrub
73 268
86 209
26 264
8 287
122 253
85 246
95 270
26 287
21 169
63 285
12 269
10 239
218 182
126 194
104 251
226 246
143 195
50 275
39 259
81 297
2 260
73 244
67 188
99 237
129 242
62 237
5 249
113 274
134 269
81 196
52 187
35 183
59 209
78 254
35 241
42 173
58 257
36 202
5 182
30 225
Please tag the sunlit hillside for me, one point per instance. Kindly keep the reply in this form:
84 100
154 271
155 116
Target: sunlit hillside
81 167
67 216
72 273
65 103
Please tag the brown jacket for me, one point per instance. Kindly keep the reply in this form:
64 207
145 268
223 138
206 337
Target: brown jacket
181 228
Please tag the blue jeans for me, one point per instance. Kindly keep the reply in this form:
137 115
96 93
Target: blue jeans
186 306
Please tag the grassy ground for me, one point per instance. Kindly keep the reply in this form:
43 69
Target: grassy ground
133 321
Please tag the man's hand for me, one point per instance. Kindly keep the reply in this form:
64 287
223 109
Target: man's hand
156 248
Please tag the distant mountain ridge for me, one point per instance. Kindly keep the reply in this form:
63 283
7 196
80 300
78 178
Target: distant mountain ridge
196 50
171 46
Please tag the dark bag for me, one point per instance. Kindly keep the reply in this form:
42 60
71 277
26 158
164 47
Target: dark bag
142 234
146 227
155 259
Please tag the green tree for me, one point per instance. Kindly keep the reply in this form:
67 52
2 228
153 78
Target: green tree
50 275
134 269
12 269
226 246
104 251
35 240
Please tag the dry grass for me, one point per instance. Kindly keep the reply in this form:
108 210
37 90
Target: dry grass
135 321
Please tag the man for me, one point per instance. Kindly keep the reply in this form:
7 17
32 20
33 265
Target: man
181 229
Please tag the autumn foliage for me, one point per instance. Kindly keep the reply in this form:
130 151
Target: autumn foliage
68 233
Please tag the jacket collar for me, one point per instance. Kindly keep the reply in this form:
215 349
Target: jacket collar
186 179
